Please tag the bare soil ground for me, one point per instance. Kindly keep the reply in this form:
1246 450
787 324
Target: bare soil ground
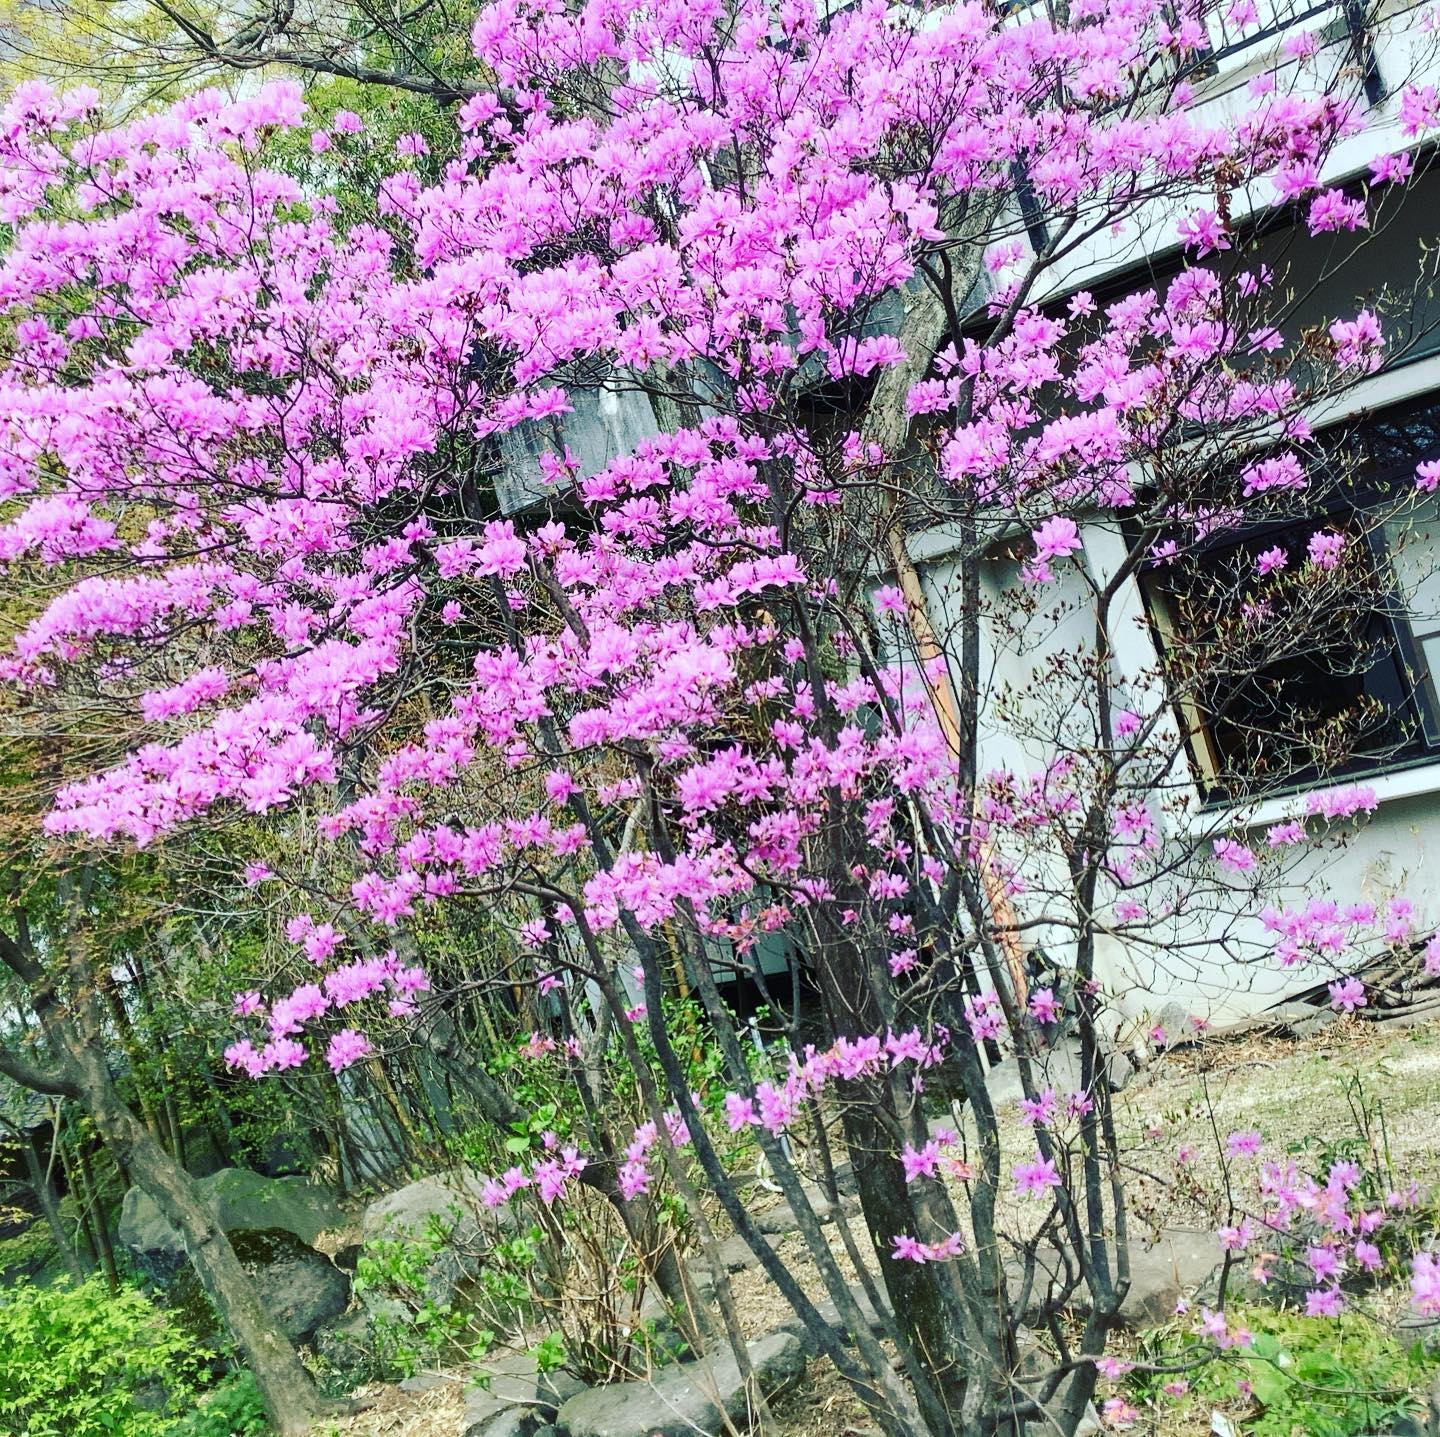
1292 1092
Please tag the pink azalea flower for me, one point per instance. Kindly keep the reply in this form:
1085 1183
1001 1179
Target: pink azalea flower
1036 1178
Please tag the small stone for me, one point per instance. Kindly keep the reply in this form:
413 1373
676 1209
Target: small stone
425 1382
1178 1025
1120 1070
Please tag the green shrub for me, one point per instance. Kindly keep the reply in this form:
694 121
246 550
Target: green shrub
233 1409
77 1360
1302 1376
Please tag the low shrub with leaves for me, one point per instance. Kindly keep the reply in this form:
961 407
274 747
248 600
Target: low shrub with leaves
1297 1377
412 1324
77 1360
233 1409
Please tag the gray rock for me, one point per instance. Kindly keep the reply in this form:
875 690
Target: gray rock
451 1200
1317 1022
778 1220
299 1287
682 1400
735 1253
1417 1326
445 1209
514 1385
1288 1276
1057 1068
511 1422
1033 1294
1036 1365
345 1346
1161 1274
830 1312
426 1382
1181 1260
1178 1026
518 1379
242 1202
1120 1070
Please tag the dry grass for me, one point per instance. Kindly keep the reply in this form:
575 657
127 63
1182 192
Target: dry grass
385 1411
1293 1094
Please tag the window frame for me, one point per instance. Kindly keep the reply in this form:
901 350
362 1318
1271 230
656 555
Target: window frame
1419 686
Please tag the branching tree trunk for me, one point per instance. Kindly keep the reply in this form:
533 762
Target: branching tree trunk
75 1035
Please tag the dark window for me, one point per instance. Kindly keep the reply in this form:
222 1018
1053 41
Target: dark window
1302 675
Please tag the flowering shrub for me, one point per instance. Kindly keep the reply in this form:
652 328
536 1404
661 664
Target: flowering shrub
666 717
1338 1378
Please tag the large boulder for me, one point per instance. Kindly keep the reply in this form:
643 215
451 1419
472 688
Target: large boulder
242 1202
685 1399
300 1288
445 1213
452 1200
1162 1272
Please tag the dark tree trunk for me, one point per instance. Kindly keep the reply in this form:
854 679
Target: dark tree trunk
95 1214
44 1189
921 1311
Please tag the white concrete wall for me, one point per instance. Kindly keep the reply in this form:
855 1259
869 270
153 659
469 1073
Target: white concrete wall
1211 955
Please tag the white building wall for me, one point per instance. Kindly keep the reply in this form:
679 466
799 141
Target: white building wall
1216 967
1210 953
